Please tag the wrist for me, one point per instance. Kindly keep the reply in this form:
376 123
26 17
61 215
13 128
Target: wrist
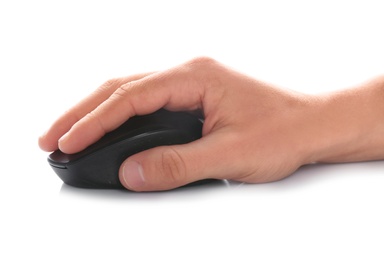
349 125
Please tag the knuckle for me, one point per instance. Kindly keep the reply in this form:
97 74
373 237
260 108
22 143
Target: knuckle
127 86
202 61
111 83
124 94
109 86
205 71
122 91
97 119
172 166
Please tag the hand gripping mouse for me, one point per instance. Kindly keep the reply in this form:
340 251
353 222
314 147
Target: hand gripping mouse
97 166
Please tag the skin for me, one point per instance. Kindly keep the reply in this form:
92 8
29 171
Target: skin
253 131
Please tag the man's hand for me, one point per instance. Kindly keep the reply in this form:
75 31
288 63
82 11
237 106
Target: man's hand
253 131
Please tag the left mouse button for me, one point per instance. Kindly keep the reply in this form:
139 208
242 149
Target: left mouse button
58 157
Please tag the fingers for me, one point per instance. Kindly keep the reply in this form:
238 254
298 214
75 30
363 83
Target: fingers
168 167
49 141
180 88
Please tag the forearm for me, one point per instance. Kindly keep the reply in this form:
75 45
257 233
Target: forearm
350 124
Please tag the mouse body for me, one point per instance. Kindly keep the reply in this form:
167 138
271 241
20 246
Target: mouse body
97 166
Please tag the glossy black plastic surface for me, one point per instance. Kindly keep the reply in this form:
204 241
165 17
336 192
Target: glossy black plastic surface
97 166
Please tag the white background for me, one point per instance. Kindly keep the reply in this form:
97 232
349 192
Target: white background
54 53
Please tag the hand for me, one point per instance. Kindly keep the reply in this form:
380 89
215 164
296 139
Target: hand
253 131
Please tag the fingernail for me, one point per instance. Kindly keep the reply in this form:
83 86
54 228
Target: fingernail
62 140
133 174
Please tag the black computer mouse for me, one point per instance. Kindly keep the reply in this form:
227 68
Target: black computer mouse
98 165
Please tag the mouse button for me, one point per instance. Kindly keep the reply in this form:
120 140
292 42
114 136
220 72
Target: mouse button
58 158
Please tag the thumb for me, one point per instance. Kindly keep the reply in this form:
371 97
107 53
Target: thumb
168 167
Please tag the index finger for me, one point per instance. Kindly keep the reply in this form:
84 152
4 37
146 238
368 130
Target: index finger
49 140
180 88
